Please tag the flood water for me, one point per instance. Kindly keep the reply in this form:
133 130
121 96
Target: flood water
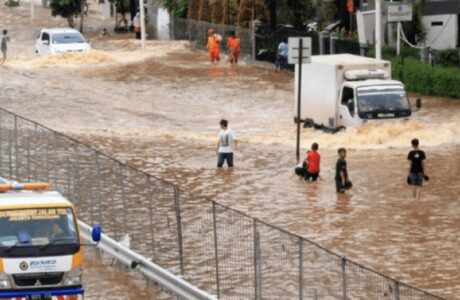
159 109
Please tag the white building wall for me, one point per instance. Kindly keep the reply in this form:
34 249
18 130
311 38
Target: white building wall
441 31
158 25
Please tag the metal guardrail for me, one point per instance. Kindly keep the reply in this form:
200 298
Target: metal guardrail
139 263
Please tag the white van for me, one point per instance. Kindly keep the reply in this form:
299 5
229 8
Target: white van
59 40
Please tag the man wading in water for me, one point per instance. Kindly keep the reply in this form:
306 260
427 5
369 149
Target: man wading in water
417 169
3 44
225 145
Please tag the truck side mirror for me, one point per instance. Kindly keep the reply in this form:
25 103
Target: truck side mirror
418 103
351 106
96 233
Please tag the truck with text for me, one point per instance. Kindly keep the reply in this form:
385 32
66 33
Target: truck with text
41 255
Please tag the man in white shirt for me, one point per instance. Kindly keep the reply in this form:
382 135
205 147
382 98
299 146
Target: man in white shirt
225 145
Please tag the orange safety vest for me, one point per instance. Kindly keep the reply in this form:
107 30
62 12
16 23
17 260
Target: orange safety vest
234 44
213 43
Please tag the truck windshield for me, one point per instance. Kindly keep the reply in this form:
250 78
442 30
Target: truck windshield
67 38
37 232
383 99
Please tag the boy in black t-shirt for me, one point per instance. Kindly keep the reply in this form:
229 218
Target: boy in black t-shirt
417 171
342 182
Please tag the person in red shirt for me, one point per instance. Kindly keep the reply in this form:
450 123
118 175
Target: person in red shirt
313 161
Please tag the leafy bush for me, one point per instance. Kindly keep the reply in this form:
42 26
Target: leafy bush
448 57
427 79
390 52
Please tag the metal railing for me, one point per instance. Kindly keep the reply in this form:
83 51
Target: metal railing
165 279
216 248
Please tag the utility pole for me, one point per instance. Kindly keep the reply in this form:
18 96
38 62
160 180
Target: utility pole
32 9
378 29
142 15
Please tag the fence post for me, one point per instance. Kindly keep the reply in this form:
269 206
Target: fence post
47 162
10 154
333 38
35 160
16 146
152 232
344 278
257 269
28 158
216 248
69 180
55 160
315 294
76 182
253 39
397 296
91 195
179 228
323 36
114 224
123 197
98 186
300 268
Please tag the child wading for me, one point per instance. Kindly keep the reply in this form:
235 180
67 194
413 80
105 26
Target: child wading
310 166
342 181
417 170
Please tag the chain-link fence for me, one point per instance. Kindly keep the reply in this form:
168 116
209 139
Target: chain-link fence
260 42
215 247
196 33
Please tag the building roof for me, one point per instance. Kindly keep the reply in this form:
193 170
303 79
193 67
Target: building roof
444 7
32 199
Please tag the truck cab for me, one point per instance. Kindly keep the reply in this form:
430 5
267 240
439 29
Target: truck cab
361 101
41 255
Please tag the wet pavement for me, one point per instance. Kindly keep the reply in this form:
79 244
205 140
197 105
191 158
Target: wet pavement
159 109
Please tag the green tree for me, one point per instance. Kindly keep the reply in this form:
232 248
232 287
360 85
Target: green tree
177 8
66 9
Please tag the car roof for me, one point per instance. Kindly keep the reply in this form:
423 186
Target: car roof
60 30
32 199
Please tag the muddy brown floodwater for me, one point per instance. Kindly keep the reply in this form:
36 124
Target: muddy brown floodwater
159 109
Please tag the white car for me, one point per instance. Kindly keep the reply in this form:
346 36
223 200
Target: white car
59 40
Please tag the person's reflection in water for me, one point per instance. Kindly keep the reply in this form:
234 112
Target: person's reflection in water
312 192
342 205
421 213
215 70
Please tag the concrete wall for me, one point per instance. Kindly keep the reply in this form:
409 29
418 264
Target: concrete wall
442 31
158 21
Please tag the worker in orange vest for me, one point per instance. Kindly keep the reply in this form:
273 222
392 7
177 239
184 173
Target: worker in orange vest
234 46
213 45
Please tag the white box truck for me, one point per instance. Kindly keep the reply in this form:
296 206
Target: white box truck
346 90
